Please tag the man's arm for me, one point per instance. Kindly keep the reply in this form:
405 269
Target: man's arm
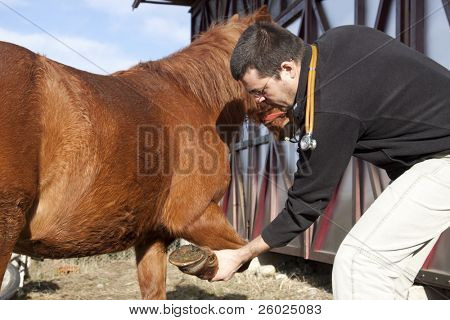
314 182
318 173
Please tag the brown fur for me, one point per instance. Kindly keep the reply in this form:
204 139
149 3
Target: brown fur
71 184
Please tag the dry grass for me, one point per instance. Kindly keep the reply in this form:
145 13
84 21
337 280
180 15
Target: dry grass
114 277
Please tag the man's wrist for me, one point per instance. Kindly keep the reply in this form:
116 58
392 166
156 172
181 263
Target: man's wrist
253 249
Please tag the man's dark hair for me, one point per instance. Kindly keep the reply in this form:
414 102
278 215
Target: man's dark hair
264 46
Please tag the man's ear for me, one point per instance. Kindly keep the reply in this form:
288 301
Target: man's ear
290 67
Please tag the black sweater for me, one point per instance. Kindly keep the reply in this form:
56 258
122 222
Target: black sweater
376 99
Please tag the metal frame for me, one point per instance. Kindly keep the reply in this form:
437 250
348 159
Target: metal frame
189 3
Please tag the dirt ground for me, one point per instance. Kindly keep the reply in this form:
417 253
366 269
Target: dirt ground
114 277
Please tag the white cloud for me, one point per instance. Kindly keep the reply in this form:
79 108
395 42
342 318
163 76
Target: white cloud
166 26
106 56
165 21
115 7
163 28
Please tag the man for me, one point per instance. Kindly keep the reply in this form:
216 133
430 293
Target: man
378 100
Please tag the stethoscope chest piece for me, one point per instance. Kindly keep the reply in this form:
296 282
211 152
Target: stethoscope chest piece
308 143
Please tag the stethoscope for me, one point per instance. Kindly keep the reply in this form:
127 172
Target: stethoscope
307 142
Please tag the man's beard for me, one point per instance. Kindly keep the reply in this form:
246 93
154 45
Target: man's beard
289 130
262 109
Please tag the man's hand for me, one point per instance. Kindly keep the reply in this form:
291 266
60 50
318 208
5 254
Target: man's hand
231 260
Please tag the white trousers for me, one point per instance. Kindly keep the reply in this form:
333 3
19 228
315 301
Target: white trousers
382 254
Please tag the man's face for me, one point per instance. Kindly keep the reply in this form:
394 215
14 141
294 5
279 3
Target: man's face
274 93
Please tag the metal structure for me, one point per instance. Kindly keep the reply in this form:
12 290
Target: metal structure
262 168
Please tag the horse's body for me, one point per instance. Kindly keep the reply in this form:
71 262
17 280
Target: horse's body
73 145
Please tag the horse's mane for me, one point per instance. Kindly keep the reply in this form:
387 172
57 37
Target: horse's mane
202 70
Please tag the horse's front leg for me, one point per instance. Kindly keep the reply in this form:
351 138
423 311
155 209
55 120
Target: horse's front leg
210 231
213 230
151 259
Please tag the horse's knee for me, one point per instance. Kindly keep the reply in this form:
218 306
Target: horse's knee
213 230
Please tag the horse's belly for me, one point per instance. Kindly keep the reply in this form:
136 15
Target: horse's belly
66 246
77 235
65 249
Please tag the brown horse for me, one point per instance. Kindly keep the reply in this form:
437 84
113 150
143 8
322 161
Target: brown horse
94 164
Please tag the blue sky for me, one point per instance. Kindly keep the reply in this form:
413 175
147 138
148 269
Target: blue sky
107 32
114 37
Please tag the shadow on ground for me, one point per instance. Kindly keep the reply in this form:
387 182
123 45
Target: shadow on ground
314 273
190 292
37 286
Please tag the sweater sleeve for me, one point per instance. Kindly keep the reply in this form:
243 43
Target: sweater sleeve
318 173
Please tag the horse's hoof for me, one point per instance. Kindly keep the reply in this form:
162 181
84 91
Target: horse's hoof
197 261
